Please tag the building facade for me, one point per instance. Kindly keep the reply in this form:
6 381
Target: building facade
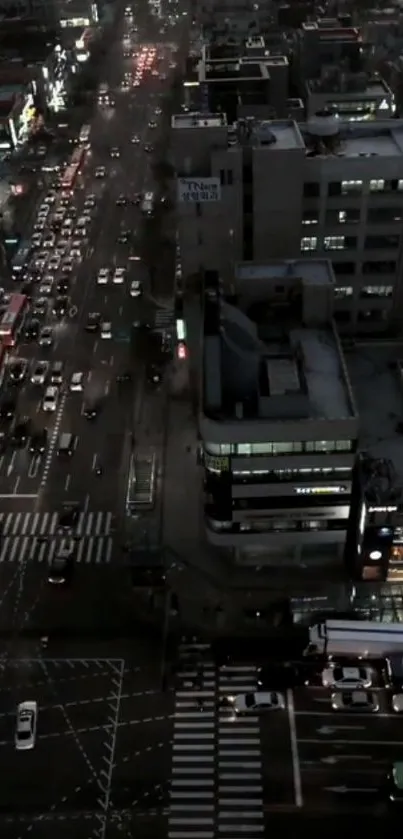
324 189
278 424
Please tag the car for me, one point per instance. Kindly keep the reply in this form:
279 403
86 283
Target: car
46 286
121 201
86 216
32 328
90 202
40 373
158 112
93 322
135 139
153 373
17 370
49 241
68 264
36 240
137 199
91 409
61 565
356 700
106 330
45 338
60 306
148 148
119 276
69 516
123 237
50 399
136 288
40 307
250 703
347 677
63 285
38 442
8 406
76 244
54 263
100 172
20 433
152 124
103 276
25 729
76 382
75 251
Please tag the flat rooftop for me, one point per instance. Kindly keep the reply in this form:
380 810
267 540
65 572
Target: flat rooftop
350 89
377 139
261 362
277 134
199 120
376 378
225 70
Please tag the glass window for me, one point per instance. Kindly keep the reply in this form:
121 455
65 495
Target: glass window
225 448
309 243
244 448
343 268
377 185
376 291
310 217
384 215
334 243
319 446
343 291
381 267
381 242
344 445
262 448
349 187
311 189
350 216
212 448
283 448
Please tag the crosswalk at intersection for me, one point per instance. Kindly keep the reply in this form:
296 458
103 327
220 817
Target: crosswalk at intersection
35 537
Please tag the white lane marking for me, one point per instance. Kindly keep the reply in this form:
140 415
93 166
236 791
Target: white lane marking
67 483
299 801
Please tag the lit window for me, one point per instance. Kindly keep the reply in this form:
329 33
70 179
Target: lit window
377 291
342 291
376 186
350 186
400 185
334 243
310 217
309 243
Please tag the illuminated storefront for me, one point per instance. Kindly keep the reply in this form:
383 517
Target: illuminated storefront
56 74
82 46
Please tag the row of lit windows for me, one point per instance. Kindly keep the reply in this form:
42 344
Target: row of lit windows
276 526
248 449
366 291
353 187
342 243
352 215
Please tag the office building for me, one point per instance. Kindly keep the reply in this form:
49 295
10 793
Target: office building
275 190
277 418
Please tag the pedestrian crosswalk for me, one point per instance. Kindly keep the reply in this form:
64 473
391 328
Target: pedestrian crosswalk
35 537
216 785
47 524
87 550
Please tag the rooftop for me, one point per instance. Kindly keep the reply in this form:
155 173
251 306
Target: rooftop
220 70
265 357
199 120
356 139
280 134
349 86
377 381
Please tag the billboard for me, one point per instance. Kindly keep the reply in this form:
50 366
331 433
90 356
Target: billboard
198 190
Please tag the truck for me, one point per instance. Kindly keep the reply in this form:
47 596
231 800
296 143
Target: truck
355 639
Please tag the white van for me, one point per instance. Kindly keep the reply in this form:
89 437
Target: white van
147 204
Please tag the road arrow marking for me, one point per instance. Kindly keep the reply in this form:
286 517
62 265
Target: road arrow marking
327 729
343 790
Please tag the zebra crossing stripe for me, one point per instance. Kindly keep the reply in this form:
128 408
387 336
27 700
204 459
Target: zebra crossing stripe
46 524
88 550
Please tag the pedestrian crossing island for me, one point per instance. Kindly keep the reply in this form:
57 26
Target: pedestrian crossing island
36 538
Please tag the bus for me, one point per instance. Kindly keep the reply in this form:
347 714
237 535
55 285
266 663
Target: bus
356 639
77 158
69 177
84 135
21 258
12 319
142 483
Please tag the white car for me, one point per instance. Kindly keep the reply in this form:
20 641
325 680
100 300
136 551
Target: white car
25 729
106 330
49 241
76 382
46 286
397 703
135 139
103 276
100 172
40 373
90 201
119 276
36 240
50 399
349 678
136 288
356 700
75 252
250 703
